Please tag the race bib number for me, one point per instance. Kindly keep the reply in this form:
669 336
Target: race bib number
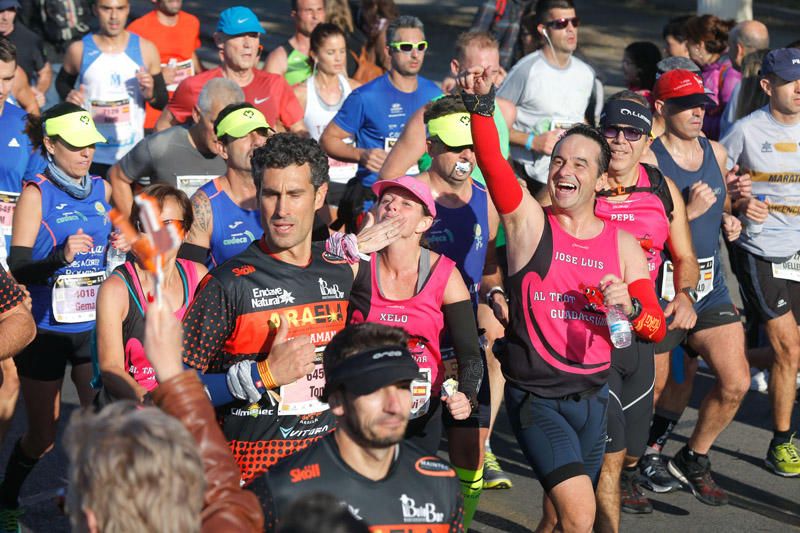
789 269
341 171
111 112
75 296
183 70
300 397
704 286
190 184
421 394
8 201
388 144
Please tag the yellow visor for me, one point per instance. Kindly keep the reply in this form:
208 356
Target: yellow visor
241 122
76 129
452 130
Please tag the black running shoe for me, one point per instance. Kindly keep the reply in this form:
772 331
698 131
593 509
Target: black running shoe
633 499
654 474
696 474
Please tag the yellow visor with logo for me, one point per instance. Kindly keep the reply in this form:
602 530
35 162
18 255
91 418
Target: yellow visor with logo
76 129
241 122
452 130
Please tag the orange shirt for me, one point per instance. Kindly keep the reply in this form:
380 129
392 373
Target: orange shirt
176 43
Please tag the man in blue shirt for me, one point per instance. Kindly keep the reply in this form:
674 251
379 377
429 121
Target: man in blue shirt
375 114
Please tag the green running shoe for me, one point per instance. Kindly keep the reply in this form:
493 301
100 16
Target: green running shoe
493 475
784 459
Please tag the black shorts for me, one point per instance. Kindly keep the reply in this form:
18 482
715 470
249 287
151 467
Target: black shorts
764 295
561 438
46 358
426 430
631 382
480 417
335 193
706 319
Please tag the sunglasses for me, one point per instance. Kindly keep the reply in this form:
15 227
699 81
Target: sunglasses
456 149
407 47
560 24
630 134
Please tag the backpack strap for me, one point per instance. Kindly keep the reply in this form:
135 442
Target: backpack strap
658 186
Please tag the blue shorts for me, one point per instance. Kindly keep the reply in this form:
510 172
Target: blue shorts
561 438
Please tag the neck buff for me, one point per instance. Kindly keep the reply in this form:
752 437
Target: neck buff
79 191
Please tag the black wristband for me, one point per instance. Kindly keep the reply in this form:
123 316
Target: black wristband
479 104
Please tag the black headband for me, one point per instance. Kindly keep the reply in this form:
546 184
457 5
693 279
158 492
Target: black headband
627 113
370 370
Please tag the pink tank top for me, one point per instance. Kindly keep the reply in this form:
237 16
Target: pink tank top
420 316
642 215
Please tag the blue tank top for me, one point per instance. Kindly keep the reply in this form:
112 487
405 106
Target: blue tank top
67 303
233 229
462 234
705 228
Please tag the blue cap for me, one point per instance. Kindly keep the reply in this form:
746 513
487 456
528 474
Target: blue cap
7 4
784 62
238 20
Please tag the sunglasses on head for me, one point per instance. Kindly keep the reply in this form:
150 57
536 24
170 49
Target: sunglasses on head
630 133
407 46
560 24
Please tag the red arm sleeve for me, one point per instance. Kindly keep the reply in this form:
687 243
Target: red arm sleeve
650 325
500 179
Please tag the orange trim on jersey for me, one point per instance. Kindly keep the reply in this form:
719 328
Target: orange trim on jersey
433 473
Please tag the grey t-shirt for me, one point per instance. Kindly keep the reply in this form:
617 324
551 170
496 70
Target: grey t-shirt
169 157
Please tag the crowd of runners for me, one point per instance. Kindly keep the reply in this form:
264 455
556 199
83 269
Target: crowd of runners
278 282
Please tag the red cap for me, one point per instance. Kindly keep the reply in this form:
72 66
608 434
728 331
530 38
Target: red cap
419 189
682 88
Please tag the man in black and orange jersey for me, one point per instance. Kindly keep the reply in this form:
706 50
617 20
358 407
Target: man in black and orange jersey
380 478
261 316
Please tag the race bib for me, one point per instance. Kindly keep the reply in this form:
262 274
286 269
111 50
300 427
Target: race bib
8 201
789 269
704 286
75 295
341 171
388 144
111 112
421 394
300 397
183 70
190 184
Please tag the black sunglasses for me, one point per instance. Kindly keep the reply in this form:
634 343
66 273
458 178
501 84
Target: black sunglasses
560 24
630 133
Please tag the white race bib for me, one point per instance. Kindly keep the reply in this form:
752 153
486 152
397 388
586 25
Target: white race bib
111 112
300 397
704 286
421 394
75 296
388 144
8 201
183 70
189 184
789 269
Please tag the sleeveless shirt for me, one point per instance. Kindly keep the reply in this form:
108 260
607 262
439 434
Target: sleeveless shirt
233 228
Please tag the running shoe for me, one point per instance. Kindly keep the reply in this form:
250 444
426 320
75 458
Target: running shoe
493 475
759 380
9 520
695 473
784 459
655 475
633 500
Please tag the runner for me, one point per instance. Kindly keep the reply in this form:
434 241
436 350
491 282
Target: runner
697 167
183 156
382 478
32 57
61 230
226 208
557 353
237 37
375 115
543 113
641 201
176 34
275 303
745 38
117 72
411 287
323 94
125 370
291 59
764 144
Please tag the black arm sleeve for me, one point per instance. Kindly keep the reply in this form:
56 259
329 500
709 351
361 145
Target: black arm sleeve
192 252
65 82
160 96
460 321
30 272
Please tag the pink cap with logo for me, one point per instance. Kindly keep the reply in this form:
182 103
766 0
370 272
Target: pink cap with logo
419 189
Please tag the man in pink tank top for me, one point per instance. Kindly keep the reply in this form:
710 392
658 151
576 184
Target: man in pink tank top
558 350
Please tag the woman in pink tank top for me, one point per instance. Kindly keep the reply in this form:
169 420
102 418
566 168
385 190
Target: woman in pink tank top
123 299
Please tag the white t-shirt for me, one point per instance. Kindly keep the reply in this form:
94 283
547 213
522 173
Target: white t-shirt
547 98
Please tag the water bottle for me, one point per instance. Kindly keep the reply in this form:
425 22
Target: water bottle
619 326
114 258
754 228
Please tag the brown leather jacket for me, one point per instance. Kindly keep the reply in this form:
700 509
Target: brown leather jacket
226 506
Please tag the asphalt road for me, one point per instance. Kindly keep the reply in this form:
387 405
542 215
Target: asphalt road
760 501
